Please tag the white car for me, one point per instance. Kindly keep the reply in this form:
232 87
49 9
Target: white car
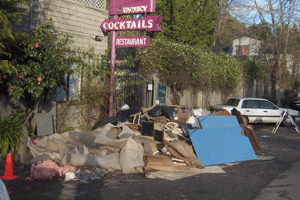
258 110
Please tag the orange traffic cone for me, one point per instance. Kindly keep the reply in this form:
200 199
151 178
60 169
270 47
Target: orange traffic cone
8 174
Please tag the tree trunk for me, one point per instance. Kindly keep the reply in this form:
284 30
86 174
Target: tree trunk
175 99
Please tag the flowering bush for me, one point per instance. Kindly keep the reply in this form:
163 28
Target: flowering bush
43 59
39 67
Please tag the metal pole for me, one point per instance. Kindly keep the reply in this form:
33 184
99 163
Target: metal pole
112 75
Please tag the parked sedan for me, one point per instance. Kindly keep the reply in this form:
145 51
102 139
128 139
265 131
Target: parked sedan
258 110
294 103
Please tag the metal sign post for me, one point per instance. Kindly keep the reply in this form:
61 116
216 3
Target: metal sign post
149 23
112 75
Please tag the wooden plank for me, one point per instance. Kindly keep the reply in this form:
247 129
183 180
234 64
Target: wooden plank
186 151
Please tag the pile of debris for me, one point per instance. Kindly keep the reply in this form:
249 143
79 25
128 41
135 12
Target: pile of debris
138 140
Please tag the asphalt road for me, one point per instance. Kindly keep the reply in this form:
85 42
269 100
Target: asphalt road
241 181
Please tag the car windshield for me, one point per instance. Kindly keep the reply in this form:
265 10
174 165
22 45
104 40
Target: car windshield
232 102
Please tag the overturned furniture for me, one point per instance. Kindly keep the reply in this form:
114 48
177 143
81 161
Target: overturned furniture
220 141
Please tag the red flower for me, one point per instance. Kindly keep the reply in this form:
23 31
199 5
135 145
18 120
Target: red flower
20 76
7 83
4 76
39 78
13 87
39 83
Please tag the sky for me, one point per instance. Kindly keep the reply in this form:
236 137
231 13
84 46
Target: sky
246 11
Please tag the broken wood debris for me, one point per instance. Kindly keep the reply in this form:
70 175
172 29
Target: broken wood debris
156 138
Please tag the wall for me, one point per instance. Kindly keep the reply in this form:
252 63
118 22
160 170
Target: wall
198 99
74 17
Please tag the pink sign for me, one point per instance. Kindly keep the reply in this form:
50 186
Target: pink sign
119 7
137 41
150 23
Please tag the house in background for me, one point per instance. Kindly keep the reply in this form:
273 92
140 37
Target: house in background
246 45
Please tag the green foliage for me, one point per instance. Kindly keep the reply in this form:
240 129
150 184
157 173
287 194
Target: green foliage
12 10
10 134
66 129
10 13
85 128
255 71
39 69
182 66
187 21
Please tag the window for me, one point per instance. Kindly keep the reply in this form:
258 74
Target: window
232 102
71 86
250 104
242 50
267 105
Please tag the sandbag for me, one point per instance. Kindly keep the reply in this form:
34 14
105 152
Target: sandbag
106 141
132 157
109 162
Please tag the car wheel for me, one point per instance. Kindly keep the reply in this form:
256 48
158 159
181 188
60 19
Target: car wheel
245 120
286 121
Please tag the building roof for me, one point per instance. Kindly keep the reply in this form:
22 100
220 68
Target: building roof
246 35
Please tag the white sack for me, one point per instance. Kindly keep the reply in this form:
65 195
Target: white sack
192 121
201 112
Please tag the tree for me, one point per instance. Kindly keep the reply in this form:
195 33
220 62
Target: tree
227 27
294 49
189 22
280 16
261 30
10 13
